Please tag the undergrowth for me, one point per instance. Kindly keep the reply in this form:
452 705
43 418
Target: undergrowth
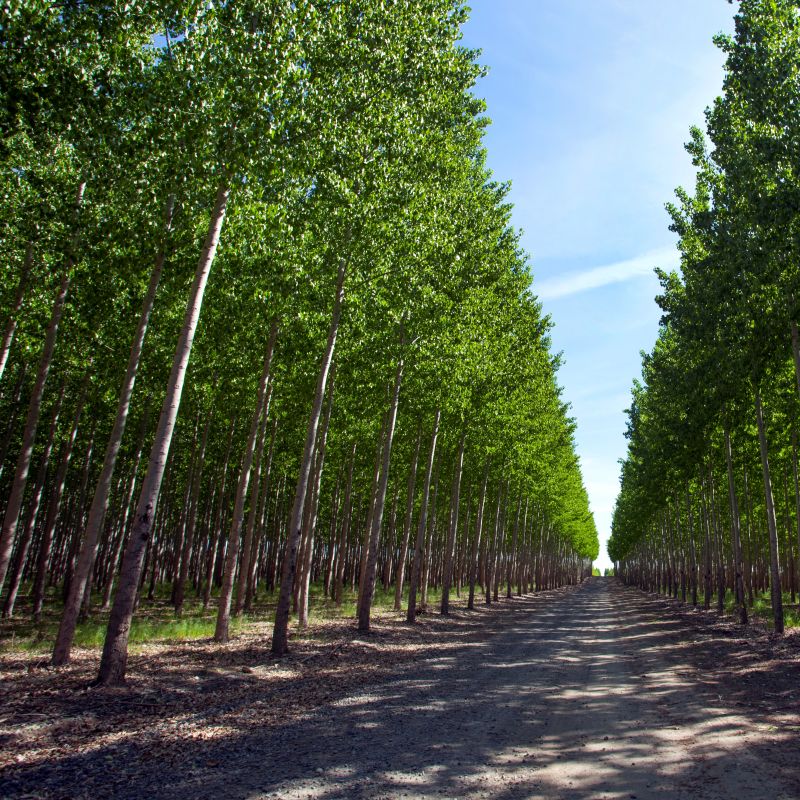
155 620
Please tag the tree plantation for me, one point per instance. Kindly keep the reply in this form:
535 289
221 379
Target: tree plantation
709 506
269 333
295 501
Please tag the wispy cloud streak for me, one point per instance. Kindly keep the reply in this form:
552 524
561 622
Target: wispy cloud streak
640 266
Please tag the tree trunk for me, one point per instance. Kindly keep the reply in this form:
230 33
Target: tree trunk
242 584
338 580
491 551
14 506
221 634
796 487
430 540
251 578
796 354
520 580
33 513
368 589
115 648
216 524
179 589
305 572
692 548
775 580
706 522
736 533
280 635
476 548
99 507
513 554
12 414
54 506
15 497
373 498
11 323
333 550
717 543
748 532
126 510
447 573
403 555
77 527
416 567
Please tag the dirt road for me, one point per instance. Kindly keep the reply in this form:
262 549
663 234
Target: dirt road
590 693
579 698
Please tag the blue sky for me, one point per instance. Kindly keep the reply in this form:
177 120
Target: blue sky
591 102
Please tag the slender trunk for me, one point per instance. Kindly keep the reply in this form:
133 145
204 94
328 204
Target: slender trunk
775 580
115 648
280 635
338 581
330 565
428 554
373 496
222 634
53 508
520 580
15 497
706 522
499 544
12 415
796 354
33 512
365 606
11 323
748 532
254 559
736 533
403 555
179 590
254 519
796 487
491 552
416 568
391 543
305 556
788 555
513 553
692 549
14 505
126 511
717 543
77 527
447 573
216 525
305 573
242 584
476 548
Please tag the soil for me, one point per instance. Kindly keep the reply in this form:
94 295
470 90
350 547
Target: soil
596 691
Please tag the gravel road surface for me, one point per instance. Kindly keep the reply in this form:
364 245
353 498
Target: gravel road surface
585 693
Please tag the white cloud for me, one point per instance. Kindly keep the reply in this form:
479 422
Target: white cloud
640 266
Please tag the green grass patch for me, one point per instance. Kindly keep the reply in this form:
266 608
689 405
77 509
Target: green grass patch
155 620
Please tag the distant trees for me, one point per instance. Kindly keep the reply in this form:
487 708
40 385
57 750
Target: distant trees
710 499
253 260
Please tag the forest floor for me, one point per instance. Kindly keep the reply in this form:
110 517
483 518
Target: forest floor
598 691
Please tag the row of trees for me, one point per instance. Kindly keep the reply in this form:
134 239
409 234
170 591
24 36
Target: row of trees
710 498
311 178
